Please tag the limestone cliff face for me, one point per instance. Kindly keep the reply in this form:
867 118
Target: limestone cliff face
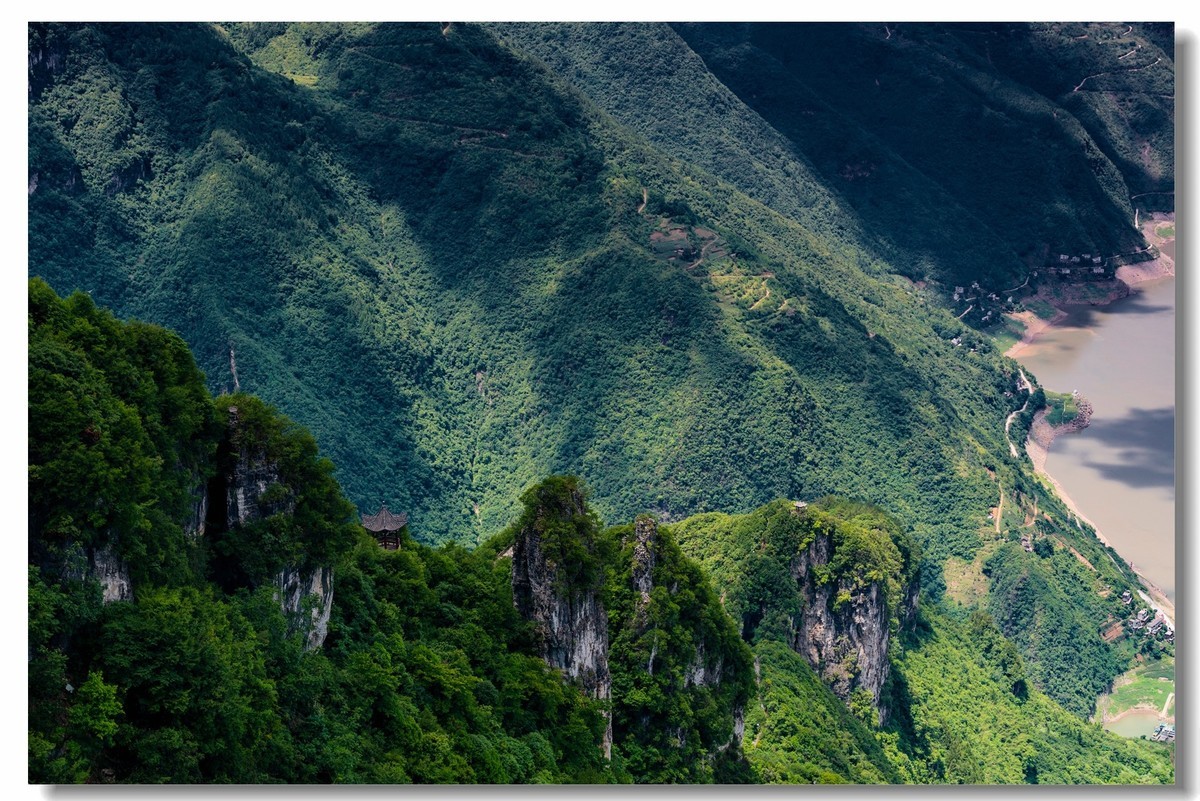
645 531
703 668
663 636
243 494
101 565
113 575
843 631
571 621
194 526
306 597
246 485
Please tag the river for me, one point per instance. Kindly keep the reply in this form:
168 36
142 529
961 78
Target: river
1120 470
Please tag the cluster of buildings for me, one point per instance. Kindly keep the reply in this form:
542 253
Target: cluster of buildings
1153 624
1083 264
1163 734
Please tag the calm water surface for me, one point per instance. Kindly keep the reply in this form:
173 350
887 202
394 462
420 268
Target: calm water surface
1120 471
1135 724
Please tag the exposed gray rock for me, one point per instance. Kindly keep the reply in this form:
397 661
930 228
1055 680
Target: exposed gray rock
739 728
846 642
253 474
571 621
113 575
702 672
908 606
194 526
306 597
645 533
305 593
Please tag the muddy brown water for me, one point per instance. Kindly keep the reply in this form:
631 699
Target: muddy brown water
1120 471
1135 724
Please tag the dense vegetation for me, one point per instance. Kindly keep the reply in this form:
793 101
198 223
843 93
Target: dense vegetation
936 92
428 672
972 720
751 557
315 237
865 128
965 707
462 272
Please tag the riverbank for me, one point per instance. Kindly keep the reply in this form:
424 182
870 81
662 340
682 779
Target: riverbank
1128 277
1042 434
1161 267
1037 446
1146 690
1140 709
1033 326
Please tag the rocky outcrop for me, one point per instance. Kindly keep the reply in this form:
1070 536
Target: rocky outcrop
250 488
703 672
306 597
122 180
843 631
113 575
195 526
703 668
570 620
247 484
47 57
102 565
1044 432
645 532
908 606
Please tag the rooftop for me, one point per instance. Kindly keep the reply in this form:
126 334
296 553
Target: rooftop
385 521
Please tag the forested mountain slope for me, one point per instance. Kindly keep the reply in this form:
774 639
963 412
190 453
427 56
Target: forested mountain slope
434 257
463 273
959 152
170 641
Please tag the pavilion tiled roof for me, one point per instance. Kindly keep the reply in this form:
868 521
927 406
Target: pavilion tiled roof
385 521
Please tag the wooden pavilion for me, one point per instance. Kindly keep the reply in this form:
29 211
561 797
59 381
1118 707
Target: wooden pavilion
386 527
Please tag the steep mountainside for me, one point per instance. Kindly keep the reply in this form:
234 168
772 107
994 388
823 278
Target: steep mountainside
241 629
958 103
277 642
438 259
827 591
679 262
980 131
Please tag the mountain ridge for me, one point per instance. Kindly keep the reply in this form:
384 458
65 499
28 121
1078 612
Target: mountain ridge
464 273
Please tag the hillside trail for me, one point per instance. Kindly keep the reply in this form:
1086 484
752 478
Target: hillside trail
1115 72
1000 507
763 299
645 200
1023 383
703 250
1019 286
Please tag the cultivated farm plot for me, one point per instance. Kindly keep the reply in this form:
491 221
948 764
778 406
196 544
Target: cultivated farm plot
707 256
671 242
1145 687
